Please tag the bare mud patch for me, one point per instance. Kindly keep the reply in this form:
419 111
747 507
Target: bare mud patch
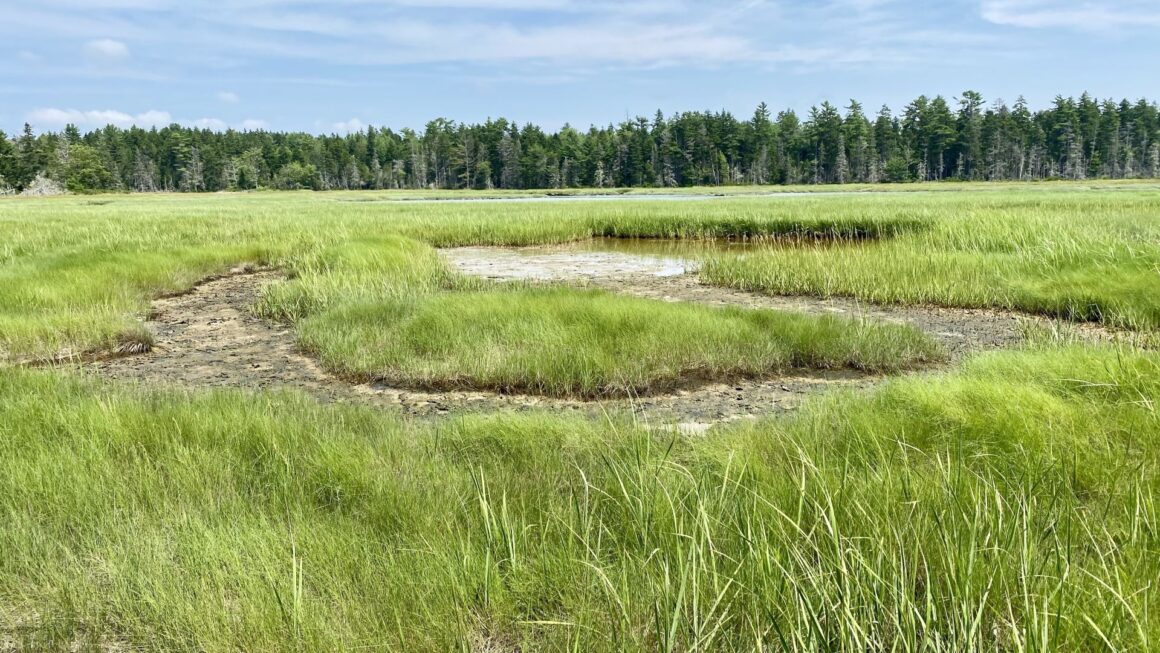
561 263
671 277
960 331
209 338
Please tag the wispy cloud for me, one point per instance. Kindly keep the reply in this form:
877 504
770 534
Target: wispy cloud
576 36
56 118
417 32
579 34
216 124
401 61
1072 15
107 51
348 126
109 4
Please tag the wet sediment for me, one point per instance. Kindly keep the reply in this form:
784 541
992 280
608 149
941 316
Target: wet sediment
209 337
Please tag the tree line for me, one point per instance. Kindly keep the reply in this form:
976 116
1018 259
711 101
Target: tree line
930 140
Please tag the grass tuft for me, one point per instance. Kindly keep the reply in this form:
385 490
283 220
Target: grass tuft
1009 506
74 275
390 310
565 342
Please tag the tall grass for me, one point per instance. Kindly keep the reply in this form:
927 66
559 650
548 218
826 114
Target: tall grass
566 342
1008 506
77 276
1083 258
388 309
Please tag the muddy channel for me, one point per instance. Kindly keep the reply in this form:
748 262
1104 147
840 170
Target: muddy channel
208 337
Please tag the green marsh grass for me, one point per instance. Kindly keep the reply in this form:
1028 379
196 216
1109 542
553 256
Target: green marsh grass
76 276
388 309
1008 506
1077 257
570 343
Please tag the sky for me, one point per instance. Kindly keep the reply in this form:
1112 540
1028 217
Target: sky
337 66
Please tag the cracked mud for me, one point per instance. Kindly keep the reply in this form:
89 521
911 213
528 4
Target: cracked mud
209 338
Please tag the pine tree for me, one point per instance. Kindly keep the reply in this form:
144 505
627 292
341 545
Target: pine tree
969 126
885 138
193 173
927 141
856 136
31 159
843 168
376 174
1075 166
144 174
229 180
509 152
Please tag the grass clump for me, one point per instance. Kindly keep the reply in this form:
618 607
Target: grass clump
566 342
388 309
1077 257
1007 506
365 270
75 276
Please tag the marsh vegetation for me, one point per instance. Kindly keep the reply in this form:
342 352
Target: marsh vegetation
998 497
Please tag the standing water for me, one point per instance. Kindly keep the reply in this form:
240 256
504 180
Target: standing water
598 257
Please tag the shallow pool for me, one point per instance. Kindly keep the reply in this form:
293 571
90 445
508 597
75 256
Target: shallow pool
602 257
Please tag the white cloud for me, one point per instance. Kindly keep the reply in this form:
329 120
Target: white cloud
56 118
583 35
577 35
506 5
601 7
533 39
625 43
414 37
151 117
108 4
107 50
53 118
1072 15
216 124
348 126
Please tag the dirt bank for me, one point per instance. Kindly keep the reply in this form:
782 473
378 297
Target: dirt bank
209 338
670 278
961 331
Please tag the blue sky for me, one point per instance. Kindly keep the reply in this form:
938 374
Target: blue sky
340 65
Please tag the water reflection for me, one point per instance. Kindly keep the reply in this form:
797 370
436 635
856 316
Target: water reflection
608 257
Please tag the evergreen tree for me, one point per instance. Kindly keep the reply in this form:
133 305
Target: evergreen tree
31 158
85 170
969 128
928 141
8 164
